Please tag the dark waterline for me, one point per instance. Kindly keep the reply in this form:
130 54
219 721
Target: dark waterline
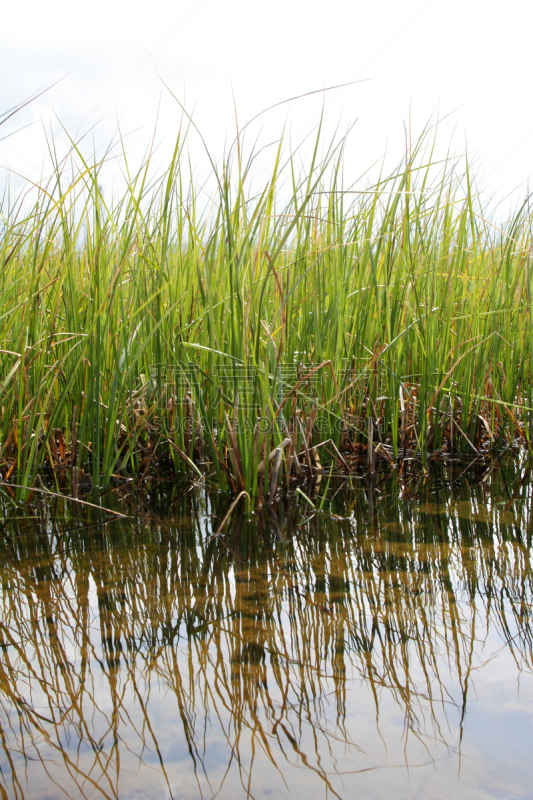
379 648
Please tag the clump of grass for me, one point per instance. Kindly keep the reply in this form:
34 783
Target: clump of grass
235 339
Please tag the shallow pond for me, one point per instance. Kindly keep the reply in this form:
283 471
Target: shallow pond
380 647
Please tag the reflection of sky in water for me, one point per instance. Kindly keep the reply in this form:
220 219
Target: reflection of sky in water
335 661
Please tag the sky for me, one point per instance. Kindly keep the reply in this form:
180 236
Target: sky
129 65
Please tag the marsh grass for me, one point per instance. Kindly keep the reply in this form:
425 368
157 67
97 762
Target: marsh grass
155 331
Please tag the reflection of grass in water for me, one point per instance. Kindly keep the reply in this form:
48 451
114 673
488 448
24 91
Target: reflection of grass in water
251 634
137 332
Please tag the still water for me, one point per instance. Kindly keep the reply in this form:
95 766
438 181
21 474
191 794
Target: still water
379 648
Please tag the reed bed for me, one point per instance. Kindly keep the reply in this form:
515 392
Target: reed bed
268 334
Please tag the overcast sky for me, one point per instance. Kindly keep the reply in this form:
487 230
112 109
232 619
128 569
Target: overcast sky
466 58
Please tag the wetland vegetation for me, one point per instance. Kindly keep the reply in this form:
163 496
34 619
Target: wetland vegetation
354 360
282 327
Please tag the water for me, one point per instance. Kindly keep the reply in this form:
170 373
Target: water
380 648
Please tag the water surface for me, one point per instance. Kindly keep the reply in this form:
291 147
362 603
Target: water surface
379 648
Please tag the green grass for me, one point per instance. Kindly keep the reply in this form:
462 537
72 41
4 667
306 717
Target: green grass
127 327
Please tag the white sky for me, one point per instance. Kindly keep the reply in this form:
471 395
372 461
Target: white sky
471 58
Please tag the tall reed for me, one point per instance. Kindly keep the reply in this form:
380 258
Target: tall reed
154 331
